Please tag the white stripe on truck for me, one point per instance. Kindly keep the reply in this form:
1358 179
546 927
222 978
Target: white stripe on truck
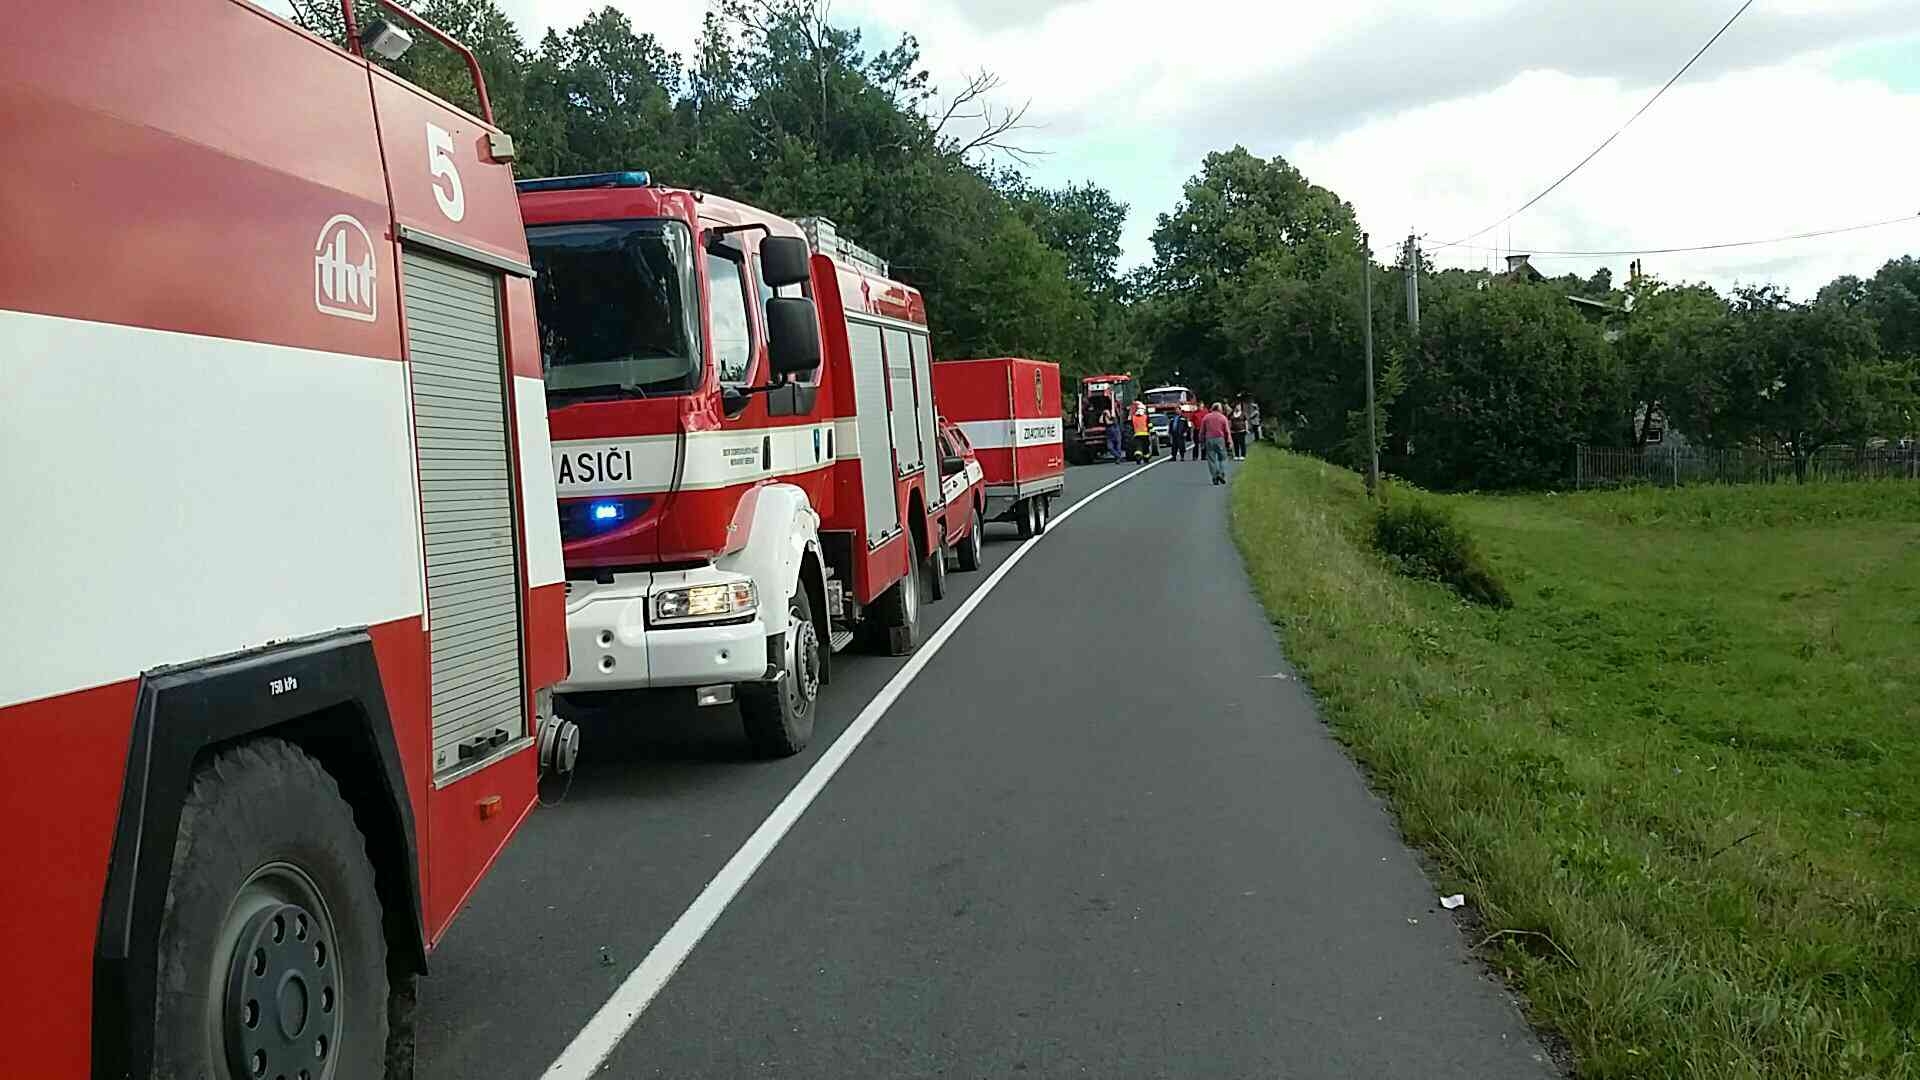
1001 434
172 496
714 459
539 507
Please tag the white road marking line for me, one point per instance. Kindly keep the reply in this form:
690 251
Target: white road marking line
595 1042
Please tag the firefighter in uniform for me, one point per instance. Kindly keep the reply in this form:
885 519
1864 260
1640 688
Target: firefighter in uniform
1142 433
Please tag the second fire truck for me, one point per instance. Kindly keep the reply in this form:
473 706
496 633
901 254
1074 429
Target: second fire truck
744 447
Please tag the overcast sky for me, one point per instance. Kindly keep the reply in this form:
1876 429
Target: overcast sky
1443 115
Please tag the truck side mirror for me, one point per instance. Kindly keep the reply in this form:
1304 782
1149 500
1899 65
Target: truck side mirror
793 334
784 261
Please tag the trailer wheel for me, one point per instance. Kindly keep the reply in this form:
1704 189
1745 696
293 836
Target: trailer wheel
271 957
1024 519
897 630
970 547
778 717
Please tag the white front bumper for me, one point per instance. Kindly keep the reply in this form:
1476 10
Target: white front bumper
611 647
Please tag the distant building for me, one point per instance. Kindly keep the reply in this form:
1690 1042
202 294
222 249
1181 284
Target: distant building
1520 269
1600 311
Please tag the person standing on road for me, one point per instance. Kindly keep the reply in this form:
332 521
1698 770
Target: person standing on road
1237 424
1177 434
1214 432
1110 416
1253 422
1142 433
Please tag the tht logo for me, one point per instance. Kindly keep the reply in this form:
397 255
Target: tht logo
343 271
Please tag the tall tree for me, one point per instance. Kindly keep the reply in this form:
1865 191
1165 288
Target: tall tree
1803 376
1257 273
613 90
1506 380
1673 344
1082 222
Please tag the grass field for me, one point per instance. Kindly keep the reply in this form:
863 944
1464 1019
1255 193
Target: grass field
1682 773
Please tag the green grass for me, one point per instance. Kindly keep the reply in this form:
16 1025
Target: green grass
1684 768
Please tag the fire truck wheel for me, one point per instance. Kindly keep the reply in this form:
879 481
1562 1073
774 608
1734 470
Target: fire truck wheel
1024 518
936 571
779 716
896 631
271 956
970 546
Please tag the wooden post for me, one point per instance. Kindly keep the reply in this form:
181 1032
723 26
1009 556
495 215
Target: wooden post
1373 440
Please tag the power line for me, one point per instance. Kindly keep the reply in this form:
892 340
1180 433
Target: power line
1721 246
1609 140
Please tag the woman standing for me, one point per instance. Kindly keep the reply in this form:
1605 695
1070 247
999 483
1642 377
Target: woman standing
1238 425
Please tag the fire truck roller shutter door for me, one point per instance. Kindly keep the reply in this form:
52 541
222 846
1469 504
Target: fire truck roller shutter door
923 384
877 489
906 427
467 508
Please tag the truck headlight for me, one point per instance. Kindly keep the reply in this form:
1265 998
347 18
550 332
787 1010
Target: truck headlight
705 603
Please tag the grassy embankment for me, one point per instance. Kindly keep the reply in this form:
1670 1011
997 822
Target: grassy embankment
1681 774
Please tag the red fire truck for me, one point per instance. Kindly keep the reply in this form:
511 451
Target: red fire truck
1098 394
1164 403
1010 411
281 604
743 421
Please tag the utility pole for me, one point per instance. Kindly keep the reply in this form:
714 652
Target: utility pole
1373 441
1413 282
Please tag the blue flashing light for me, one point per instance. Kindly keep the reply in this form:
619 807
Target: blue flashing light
607 511
629 178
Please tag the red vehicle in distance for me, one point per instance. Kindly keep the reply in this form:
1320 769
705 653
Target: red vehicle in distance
1165 402
1100 394
1009 408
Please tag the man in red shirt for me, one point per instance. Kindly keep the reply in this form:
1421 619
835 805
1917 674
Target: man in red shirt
1215 429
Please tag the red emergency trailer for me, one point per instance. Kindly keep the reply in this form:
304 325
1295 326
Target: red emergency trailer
743 424
281 604
1010 411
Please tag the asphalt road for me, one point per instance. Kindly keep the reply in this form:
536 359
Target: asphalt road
1094 837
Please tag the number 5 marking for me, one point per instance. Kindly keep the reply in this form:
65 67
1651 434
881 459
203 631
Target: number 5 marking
452 198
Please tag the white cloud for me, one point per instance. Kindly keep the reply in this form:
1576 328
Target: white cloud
1759 153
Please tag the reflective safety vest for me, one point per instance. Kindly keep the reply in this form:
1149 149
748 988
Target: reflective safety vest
1140 420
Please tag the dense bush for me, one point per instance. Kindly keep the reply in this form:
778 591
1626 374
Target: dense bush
1423 541
1505 381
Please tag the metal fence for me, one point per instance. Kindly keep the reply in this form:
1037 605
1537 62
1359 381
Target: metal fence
1671 466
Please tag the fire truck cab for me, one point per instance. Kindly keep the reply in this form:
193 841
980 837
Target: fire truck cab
282 603
743 434
1165 402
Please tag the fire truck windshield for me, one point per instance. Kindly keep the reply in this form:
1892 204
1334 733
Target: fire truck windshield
617 309
1173 395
